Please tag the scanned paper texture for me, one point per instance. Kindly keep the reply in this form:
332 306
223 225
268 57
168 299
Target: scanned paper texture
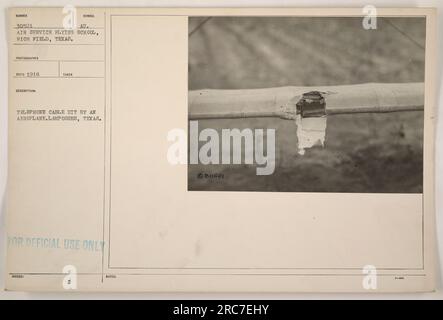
221 150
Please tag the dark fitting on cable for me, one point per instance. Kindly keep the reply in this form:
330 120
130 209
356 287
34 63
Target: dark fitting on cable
311 104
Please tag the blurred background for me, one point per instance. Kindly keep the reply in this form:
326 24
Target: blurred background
363 152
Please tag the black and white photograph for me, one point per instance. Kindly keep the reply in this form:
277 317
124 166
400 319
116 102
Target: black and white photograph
212 153
306 104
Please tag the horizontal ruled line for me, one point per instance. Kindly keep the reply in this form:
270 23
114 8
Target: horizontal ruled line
54 77
58 44
56 28
223 274
61 60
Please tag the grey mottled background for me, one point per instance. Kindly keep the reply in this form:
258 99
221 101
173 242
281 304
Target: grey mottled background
364 152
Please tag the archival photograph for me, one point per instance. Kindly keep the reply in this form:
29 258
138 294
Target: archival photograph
306 104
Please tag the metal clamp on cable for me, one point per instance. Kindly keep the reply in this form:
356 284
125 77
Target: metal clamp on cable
311 104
